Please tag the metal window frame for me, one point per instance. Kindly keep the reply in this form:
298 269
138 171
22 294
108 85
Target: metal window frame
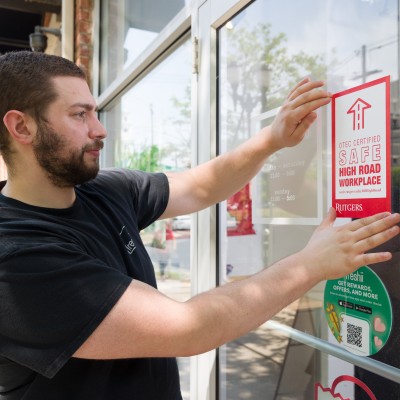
165 42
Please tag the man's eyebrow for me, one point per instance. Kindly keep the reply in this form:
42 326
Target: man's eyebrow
86 106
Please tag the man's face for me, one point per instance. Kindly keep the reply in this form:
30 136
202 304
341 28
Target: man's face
67 146
65 165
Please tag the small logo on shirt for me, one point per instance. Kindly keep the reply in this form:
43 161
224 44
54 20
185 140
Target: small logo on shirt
128 242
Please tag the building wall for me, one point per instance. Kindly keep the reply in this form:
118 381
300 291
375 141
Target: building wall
84 36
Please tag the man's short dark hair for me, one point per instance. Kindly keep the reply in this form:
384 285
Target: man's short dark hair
26 85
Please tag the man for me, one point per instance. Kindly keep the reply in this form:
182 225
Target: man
80 314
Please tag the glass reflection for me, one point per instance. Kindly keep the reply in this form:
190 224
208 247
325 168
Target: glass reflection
127 28
289 370
149 128
263 51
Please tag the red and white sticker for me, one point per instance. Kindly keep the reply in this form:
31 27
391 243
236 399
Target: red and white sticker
361 150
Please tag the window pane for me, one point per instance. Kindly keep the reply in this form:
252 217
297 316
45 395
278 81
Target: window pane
290 370
149 128
263 51
127 28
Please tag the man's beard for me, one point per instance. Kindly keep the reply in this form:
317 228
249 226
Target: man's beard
64 169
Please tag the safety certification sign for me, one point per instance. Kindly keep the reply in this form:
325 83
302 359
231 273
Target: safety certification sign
361 149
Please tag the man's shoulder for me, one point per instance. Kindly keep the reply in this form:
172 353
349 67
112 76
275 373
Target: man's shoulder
123 174
113 176
117 179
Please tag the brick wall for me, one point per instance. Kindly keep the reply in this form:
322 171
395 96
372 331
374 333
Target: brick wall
84 36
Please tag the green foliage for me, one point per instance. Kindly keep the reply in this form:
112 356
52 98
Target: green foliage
256 47
146 160
251 52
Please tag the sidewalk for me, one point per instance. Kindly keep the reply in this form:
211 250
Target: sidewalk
258 365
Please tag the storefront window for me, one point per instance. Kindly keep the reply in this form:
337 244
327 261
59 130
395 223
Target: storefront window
291 370
149 128
127 28
263 51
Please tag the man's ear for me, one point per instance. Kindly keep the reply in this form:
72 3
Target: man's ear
20 125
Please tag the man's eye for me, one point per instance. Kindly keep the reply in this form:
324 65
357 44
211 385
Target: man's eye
81 114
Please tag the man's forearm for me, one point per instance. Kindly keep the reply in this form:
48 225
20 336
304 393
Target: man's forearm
232 310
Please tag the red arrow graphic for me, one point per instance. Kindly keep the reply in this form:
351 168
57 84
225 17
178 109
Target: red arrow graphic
358 110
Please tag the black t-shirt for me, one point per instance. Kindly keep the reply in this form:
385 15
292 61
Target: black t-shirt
61 272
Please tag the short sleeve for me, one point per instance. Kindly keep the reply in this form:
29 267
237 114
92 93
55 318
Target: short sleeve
52 297
148 192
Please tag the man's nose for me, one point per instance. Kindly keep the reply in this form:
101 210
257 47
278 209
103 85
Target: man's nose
97 129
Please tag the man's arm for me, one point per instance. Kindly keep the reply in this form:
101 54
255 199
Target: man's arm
216 180
145 323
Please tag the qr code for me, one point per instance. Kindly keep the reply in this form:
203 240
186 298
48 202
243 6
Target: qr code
354 335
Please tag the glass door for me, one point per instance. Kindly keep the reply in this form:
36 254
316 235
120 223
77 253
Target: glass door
262 48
